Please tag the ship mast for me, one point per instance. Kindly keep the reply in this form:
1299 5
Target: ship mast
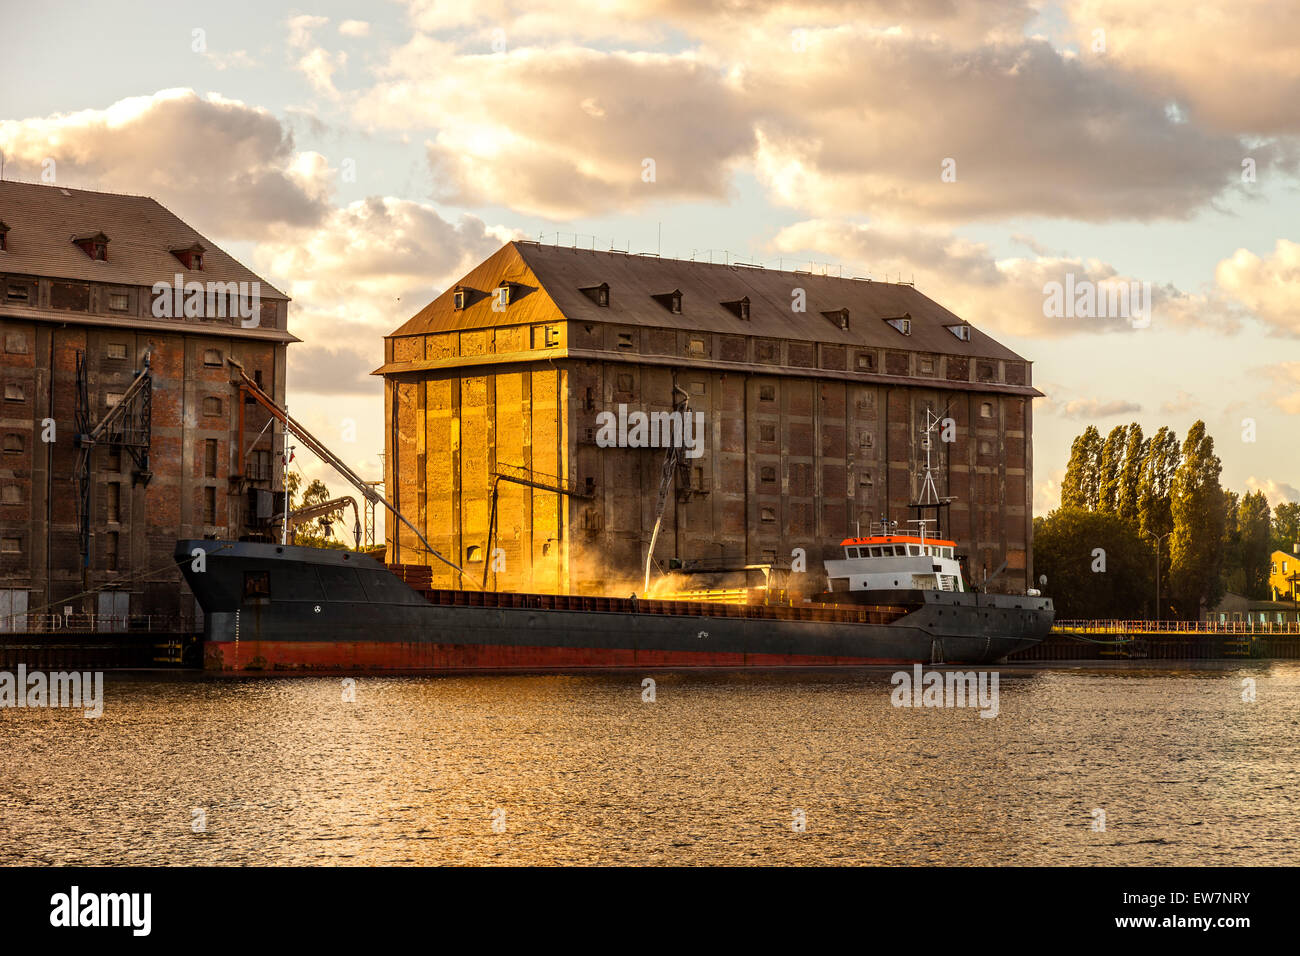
929 500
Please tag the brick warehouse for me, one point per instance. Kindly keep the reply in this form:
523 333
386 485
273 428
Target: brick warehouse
77 276
813 419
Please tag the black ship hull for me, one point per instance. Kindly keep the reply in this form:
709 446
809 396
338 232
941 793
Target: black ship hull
272 609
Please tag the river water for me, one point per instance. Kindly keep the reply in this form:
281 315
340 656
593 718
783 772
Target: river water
720 768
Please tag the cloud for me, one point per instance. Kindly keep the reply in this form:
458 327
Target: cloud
1090 408
1182 402
1286 391
1269 287
228 167
319 66
1232 63
364 271
1277 492
354 28
563 132
1008 295
302 27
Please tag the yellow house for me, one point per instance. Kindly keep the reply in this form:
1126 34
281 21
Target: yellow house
1284 576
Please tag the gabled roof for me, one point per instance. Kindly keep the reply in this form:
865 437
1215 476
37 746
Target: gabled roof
560 274
43 221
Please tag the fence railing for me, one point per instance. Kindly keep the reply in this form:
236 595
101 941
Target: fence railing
98 623
1177 627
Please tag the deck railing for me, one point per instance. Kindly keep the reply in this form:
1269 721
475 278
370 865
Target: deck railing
1176 627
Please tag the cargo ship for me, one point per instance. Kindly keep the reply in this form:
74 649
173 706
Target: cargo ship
893 599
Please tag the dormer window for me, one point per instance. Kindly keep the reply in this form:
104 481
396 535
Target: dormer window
961 331
501 296
902 323
458 299
840 317
672 301
94 245
739 308
598 294
4 237
191 257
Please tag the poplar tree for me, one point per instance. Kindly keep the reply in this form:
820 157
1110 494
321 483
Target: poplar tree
1197 511
1080 486
1158 469
1130 475
1109 469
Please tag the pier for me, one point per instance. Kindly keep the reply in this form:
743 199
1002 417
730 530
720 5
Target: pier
1166 641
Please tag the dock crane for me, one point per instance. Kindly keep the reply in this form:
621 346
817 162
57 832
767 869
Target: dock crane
127 424
248 386
301 516
673 460
531 479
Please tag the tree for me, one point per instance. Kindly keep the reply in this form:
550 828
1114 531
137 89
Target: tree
1109 469
320 532
1231 569
1158 469
1079 487
1286 526
1196 507
1072 545
1256 543
1130 475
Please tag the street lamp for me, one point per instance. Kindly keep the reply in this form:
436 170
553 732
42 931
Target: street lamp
1157 539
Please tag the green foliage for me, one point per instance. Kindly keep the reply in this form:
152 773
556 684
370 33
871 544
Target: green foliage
1256 544
1286 526
1158 467
1130 474
320 533
1080 486
1197 510
1064 546
1110 467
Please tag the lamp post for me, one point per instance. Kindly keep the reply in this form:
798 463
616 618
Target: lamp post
1157 539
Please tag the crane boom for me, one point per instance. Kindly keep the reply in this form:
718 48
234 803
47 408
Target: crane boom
334 461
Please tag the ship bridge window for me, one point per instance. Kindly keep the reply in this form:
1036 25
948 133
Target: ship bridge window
853 552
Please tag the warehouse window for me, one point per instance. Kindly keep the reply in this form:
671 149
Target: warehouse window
113 507
114 458
864 480
866 361
767 475
110 551
698 347
902 323
986 410
866 440
625 340
12 495
552 336
473 553
697 388
13 443
209 505
14 393
210 457
598 294
112 398
767 515
458 299
961 331
118 301
986 448
11 545
212 358
212 405
115 350
767 431
926 365
767 393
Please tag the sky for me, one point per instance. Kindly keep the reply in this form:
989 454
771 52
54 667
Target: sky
362 157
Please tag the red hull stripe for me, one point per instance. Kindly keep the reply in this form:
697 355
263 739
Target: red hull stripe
281 656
